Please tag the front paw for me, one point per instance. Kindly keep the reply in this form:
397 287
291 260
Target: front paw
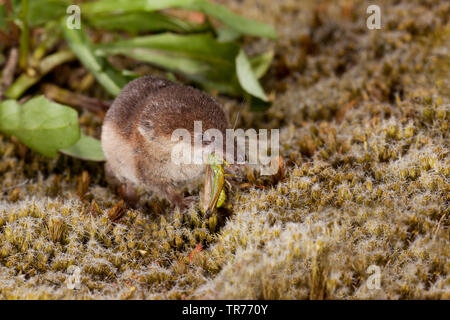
128 194
187 202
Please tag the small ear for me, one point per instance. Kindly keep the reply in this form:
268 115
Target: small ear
145 128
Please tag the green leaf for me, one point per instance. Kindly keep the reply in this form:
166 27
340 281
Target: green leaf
226 34
199 46
120 6
247 78
87 148
143 21
111 79
42 11
42 125
199 57
234 21
261 63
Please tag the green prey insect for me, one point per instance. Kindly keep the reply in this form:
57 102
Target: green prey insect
213 195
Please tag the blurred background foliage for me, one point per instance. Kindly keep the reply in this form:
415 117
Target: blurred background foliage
193 41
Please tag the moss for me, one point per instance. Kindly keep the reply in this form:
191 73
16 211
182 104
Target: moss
364 119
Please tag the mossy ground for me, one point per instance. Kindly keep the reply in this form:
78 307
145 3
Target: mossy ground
364 118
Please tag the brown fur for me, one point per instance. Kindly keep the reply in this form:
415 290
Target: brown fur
137 130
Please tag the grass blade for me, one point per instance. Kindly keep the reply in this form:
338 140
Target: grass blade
3 16
111 79
43 11
199 57
230 19
234 21
24 36
144 21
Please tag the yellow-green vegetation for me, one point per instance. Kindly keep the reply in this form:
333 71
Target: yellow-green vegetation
364 118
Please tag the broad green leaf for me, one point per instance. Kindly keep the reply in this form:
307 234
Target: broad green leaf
86 148
261 63
143 21
230 19
199 57
111 79
9 120
247 78
40 124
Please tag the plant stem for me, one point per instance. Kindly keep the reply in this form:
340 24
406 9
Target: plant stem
24 36
45 66
76 100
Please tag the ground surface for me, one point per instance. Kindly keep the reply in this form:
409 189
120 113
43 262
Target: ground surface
364 118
